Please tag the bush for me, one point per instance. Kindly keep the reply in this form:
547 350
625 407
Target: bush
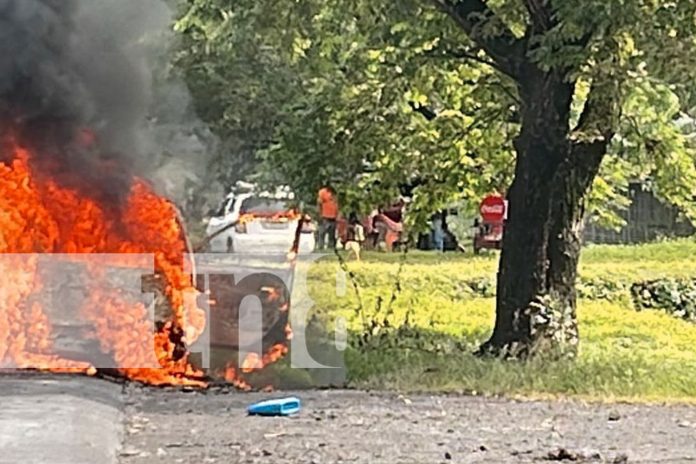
673 296
601 289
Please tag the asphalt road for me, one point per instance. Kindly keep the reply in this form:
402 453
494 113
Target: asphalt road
359 427
80 420
59 420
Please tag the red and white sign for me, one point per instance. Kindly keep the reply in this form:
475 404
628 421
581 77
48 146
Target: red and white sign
493 208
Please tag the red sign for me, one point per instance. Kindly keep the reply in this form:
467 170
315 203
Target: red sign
493 208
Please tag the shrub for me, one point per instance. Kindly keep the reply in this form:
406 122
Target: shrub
673 296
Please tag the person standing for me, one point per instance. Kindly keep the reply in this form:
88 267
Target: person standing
355 236
438 231
327 204
389 224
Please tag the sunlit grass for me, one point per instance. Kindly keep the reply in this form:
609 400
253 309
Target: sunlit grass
624 354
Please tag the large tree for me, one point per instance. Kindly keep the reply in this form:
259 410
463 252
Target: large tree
371 105
547 48
559 95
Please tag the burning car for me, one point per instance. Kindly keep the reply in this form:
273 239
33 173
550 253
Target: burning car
255 222
46 224
43 218
86 241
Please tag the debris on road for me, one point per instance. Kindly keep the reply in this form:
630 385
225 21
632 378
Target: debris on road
276 407
563 454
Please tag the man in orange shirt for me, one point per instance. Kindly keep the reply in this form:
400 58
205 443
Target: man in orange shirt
327 204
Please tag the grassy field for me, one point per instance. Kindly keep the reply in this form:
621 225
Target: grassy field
415 319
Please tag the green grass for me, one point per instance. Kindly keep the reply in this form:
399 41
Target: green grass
624 354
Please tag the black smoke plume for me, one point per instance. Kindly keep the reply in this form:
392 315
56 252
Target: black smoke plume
76 87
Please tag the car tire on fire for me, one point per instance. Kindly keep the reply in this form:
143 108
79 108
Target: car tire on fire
236 305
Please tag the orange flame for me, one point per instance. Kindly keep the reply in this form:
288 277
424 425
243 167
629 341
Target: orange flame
47 218
253 362
232 376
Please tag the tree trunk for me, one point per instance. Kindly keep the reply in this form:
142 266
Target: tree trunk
536 297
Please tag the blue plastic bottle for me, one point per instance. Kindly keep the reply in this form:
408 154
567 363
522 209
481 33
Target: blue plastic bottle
276 407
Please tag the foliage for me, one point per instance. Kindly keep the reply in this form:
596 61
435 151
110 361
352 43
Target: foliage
237 82
357 109
599 288
673 296
375 94
654 148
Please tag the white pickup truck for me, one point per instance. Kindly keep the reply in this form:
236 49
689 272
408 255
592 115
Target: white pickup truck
258 222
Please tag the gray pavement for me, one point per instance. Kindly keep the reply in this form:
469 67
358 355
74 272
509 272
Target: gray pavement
59 420
375 428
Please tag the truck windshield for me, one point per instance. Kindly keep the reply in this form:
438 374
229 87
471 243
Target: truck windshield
257 205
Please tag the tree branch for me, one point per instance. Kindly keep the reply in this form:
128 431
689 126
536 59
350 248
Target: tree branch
596 127
599 117
426 112
541 14
477 20
510 93
470 55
